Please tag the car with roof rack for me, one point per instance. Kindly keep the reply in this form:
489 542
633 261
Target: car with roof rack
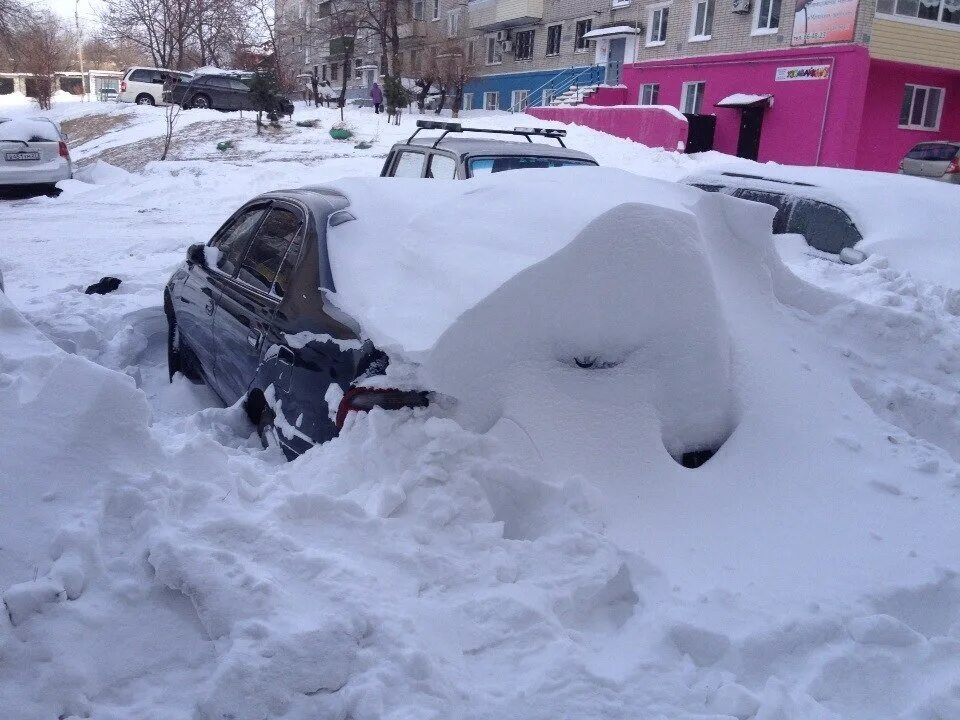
450 156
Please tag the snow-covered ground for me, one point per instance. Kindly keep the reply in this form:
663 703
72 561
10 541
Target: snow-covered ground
535 554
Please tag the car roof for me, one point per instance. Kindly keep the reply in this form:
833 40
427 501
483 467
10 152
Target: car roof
483 146
144 67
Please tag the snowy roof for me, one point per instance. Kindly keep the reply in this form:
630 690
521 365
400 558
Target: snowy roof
744 100
608 31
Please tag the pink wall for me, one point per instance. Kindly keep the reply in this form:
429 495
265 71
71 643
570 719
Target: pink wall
613 95
801 108
652 126
882 144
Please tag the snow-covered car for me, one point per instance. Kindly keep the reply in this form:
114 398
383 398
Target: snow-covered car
144 85
221 92
451 156
33 152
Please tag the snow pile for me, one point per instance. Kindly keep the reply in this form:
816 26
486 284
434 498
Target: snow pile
28 130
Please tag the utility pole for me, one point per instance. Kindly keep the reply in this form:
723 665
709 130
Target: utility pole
83 78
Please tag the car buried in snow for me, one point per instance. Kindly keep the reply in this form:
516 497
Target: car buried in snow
247 314
450 156
33 153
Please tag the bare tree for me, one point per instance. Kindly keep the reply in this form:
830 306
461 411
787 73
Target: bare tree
171 115
454 71
15 18
46 47
162 28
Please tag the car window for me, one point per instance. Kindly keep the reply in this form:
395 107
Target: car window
282 282
442 167
231 241
408 164
825 227
708 187
266 253
483 165
781 202
140 76
218 82
238 85
933 151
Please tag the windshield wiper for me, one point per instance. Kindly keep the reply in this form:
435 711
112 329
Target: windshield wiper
25 143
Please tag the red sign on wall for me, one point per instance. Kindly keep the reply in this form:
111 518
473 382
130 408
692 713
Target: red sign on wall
824 21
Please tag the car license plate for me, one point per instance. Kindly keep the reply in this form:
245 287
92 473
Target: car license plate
25 155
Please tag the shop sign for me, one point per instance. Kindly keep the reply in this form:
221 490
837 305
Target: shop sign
824 21
803 72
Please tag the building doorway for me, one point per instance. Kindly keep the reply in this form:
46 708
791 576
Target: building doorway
751 123
700 132
618 49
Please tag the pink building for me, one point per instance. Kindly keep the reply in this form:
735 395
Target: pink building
889 80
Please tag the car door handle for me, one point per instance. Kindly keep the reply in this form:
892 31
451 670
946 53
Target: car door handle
255 340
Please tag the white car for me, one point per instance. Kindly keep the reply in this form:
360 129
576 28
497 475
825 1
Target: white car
33 152
144 86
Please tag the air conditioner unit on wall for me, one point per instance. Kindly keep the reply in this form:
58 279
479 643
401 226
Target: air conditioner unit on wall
503 35
741 6
506 46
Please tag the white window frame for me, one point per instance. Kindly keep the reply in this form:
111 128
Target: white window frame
497 51
491 93
652 11
436 11
416 9
926 107
586 47
515 99
698 101
467 102
708 5
516 44
757 30
643 90
453 23
547 96
547 37
939 23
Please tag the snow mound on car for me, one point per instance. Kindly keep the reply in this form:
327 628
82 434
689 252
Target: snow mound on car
420 254
28 130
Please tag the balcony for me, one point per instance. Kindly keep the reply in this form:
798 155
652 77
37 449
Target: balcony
412 29
499 14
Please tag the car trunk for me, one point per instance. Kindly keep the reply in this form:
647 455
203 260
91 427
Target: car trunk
30 155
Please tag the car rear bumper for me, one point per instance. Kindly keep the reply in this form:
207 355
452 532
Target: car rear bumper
42 174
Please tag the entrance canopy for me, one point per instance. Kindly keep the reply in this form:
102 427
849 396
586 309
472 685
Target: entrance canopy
742 100
615 31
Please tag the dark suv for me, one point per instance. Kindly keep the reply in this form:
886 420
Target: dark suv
220 92
248 313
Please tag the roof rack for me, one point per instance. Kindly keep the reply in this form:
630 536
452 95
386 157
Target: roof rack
450 127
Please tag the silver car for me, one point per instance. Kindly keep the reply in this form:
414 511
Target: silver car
33 152
935 160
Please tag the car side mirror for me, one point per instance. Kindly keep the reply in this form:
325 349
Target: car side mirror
196 255
850 256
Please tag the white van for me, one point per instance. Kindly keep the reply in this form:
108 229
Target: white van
144 86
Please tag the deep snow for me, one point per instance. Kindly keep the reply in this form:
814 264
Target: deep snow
531 551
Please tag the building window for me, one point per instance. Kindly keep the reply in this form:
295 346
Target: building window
491 101
702 28
657 25
692 97
650 94
767 19
582 44
415 60
453 23
323 72
323 9
553 39
523 45
334 71
371 43
945 11
519 99
494 51
467 103
357 72
306 56
436 9
470 51
921 107
417 10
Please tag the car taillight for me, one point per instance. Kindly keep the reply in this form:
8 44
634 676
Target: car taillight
362 399
954 167
123 86
64 150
